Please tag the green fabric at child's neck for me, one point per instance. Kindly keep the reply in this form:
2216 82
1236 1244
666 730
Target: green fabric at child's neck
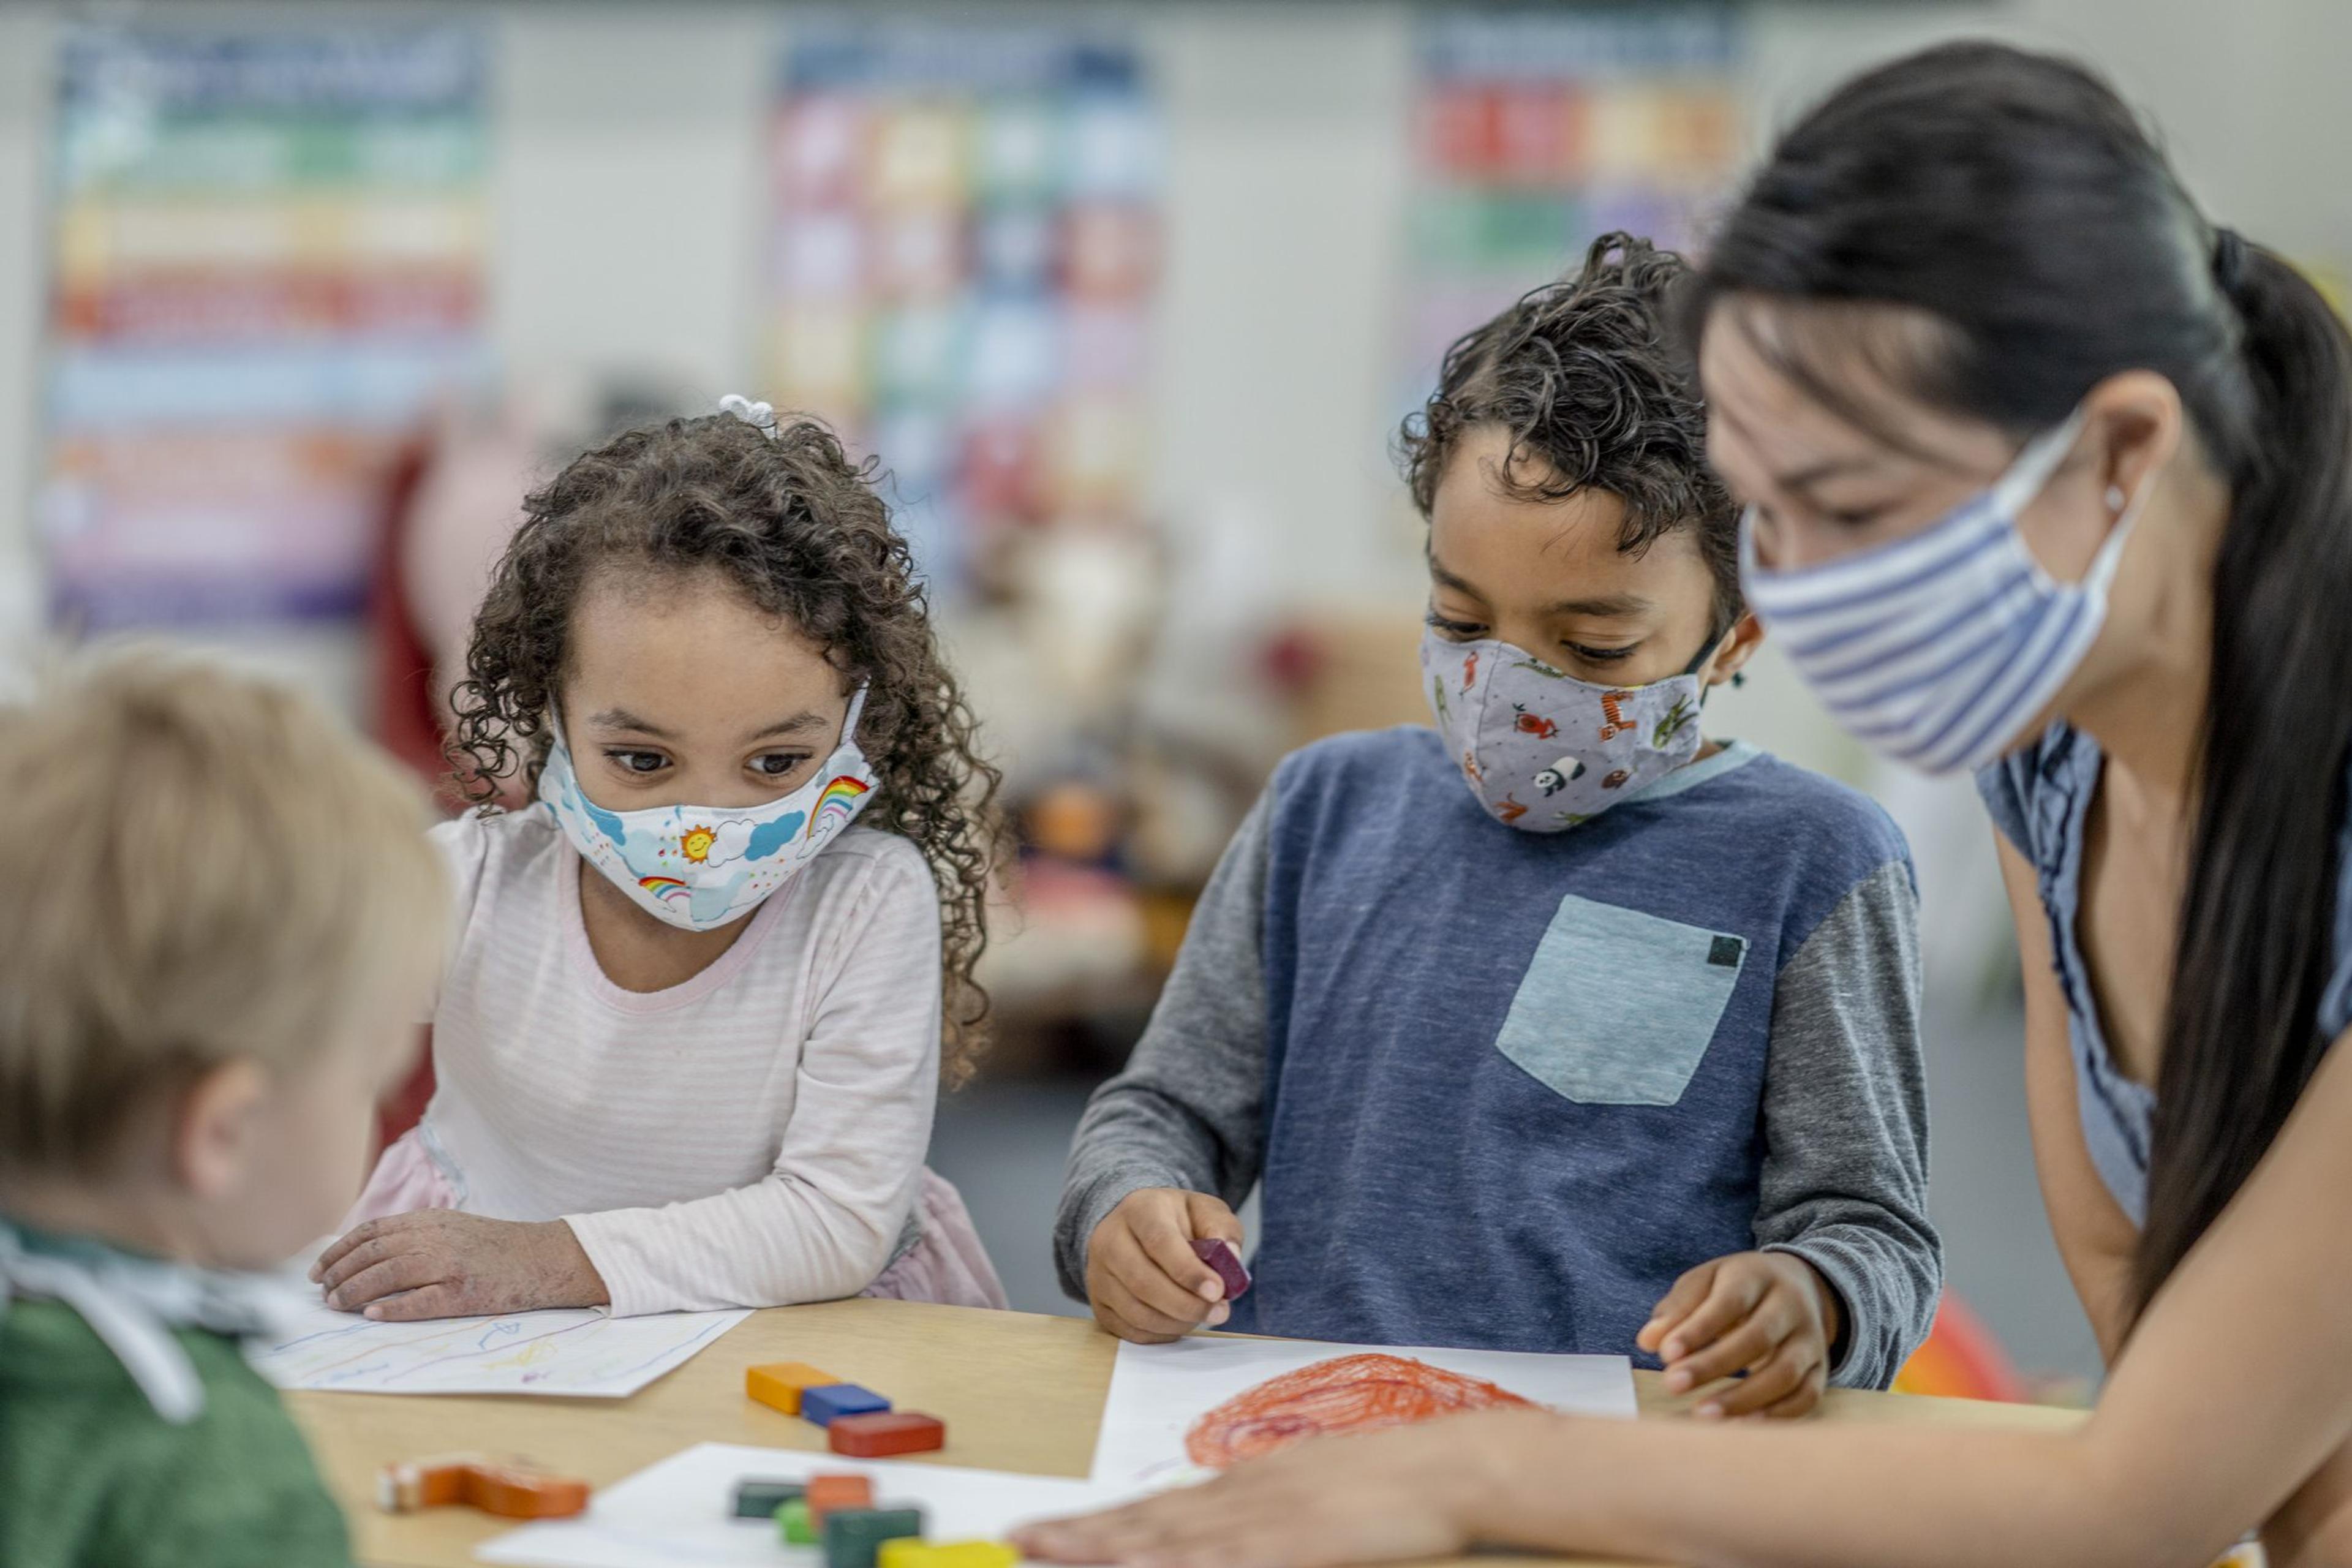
82 1247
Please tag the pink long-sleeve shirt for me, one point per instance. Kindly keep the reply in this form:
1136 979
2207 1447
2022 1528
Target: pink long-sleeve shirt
753 1137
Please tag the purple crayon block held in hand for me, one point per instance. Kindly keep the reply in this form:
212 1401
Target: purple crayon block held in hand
1219 1255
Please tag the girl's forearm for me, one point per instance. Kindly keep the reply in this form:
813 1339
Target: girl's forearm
1809 1496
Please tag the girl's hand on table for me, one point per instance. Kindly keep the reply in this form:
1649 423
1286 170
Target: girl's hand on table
439 1263
1768 1314
1373 1496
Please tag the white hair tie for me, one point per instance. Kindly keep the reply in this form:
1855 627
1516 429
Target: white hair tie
758 415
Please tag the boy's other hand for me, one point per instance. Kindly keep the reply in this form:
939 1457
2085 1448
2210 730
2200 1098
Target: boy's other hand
439 1263
1768 1314
1143 1280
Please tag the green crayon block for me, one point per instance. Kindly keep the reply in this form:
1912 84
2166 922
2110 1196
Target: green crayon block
793 1520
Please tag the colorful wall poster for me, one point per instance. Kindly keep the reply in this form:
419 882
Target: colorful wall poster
1536 131
267 256
964 244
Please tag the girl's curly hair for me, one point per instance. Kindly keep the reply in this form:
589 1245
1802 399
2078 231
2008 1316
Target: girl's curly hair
1584 376
797 526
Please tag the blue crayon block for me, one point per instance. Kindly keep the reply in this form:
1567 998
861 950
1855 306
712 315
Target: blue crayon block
821 1405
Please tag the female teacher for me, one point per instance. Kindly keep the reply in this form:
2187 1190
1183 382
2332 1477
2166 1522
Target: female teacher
2050 479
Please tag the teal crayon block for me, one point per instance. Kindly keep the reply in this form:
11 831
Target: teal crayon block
761 1499
854 1536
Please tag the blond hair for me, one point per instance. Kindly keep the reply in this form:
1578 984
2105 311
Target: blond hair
197 865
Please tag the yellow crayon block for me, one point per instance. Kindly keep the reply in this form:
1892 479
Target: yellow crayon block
958 1554
779 1384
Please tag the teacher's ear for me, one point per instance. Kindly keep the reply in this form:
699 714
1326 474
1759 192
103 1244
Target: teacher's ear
2132 428
1737 647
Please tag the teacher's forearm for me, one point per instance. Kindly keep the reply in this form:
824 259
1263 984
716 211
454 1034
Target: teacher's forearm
1808 1497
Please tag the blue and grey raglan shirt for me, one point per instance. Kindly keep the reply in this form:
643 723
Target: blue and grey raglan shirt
1500 1089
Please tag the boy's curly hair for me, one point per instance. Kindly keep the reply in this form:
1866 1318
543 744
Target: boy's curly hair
1582 373
796 525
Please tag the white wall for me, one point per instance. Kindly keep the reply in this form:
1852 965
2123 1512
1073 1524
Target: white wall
25 95
1277 350
628 210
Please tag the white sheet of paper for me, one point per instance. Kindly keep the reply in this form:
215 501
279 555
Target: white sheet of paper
1157 1392
677 1514
573 1351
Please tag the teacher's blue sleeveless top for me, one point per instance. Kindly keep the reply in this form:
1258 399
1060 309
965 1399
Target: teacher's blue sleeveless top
2039 798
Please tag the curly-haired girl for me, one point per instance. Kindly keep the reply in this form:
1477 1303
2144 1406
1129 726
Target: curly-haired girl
703 1076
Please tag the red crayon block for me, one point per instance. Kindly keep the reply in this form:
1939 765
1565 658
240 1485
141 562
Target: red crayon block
886 1432
1219 1255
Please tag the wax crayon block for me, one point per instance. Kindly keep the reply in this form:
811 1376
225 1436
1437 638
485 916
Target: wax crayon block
886 1432
779 1383
854 1536
826 1493
508 1488
414 1484
760 1500
954 1554
821 1406
793 1523
517 1491
1219 1255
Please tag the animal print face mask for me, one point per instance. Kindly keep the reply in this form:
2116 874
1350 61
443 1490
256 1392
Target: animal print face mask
1543 750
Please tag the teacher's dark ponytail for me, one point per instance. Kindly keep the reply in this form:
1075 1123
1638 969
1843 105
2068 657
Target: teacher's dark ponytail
2258 920
2043 244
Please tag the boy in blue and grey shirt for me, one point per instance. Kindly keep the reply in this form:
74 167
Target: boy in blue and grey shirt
1557 1027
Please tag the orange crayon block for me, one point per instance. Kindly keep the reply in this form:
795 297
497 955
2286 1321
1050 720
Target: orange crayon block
778 1383
513 1491
508 1488
415 1484
827 1493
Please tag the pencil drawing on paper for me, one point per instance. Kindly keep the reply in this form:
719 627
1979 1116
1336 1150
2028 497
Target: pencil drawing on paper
568 1351
1346 1394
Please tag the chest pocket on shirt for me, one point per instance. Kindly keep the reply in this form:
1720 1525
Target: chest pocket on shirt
1618 1006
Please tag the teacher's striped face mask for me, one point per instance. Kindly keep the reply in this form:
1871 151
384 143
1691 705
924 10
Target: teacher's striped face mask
1939 649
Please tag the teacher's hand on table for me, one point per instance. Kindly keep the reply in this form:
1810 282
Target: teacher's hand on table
438 1263
1374 1497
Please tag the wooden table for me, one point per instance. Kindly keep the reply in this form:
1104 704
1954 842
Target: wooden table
1018 1391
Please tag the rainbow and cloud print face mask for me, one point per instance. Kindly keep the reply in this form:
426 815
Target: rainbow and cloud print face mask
1543 750
699 867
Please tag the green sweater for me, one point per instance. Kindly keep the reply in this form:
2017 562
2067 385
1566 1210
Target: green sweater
91 1476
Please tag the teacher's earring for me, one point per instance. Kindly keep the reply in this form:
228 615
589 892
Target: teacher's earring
2115 498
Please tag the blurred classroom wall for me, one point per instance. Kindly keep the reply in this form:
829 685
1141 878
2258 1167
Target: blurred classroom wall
628 204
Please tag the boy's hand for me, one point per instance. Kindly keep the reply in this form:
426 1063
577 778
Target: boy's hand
1143 1278
438 1263
1768 1314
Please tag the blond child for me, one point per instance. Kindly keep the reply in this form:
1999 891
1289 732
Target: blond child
222 913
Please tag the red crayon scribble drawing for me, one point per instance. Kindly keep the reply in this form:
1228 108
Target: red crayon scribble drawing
1352 1392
